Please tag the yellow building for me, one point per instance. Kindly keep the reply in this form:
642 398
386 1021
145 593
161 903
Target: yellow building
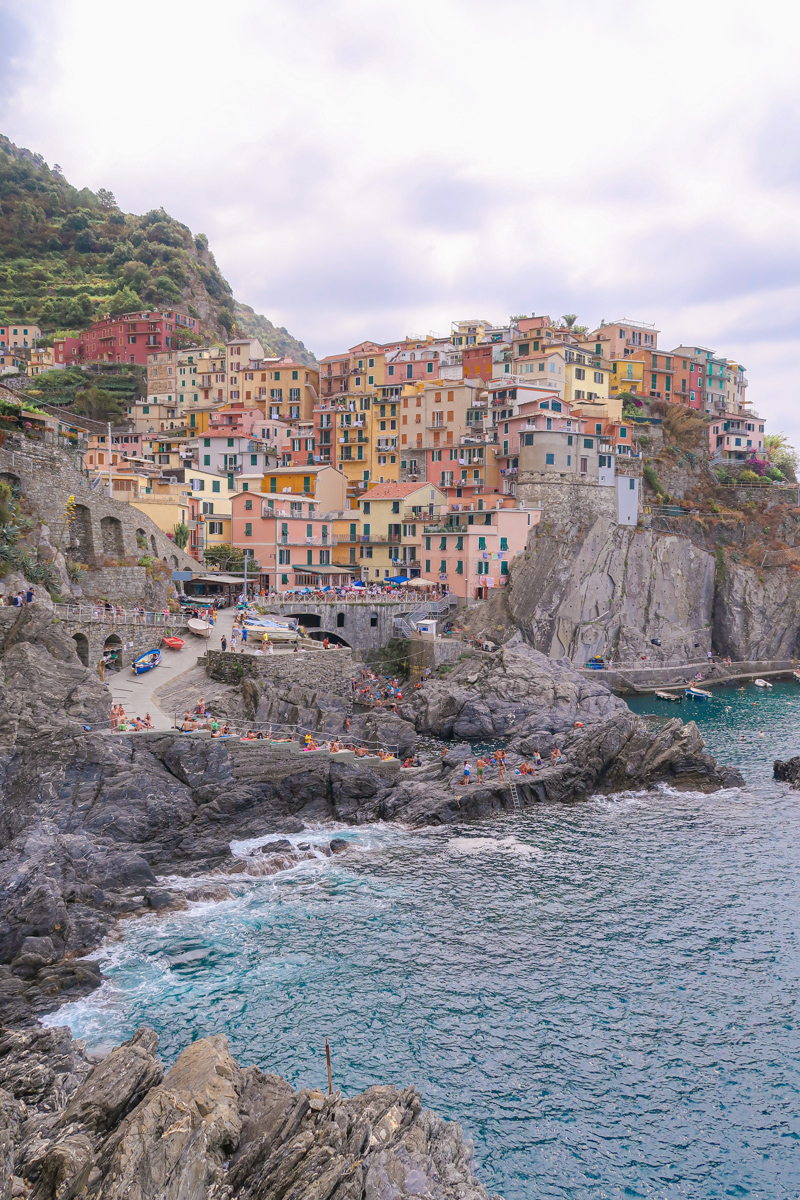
322 484
627 375
41 360
166 511
390 536
213 491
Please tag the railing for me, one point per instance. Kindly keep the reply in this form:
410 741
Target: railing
99 615
289 733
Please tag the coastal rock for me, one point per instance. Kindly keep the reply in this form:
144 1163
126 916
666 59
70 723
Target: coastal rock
119 1131
788 772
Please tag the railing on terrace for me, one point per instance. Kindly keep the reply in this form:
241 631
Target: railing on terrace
275 730
100 615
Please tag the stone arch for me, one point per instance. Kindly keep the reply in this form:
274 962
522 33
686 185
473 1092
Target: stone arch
173 558
310 620
13 480
81 647
319 635
111 531
141 539
80 533
112 652
153 545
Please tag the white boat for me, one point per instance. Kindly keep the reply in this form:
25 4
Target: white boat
762 683
275 633
199 628
696 693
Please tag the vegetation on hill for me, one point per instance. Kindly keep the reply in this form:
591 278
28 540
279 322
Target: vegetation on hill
122 383
251 324
68 256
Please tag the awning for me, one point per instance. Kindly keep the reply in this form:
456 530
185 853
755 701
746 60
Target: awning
330 570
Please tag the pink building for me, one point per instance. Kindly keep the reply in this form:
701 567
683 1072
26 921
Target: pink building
128 338
471 551
735 437
289 538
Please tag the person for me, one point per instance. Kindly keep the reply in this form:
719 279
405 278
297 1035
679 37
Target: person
30 595
466 771
555 757
244 636
15 600
224 643
166 612
148 721
500 758
480 764
325 643
201 707
101 671
537 758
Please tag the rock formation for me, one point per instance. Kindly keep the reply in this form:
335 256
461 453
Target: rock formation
122 1129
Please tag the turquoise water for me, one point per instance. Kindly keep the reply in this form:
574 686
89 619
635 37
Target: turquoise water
604 994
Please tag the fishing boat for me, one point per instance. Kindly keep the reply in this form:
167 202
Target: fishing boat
276 631
668 696
199 628
173 643
146 661
696 693
762 683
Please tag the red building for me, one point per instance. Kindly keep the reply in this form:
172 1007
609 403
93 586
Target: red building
477 361
128 338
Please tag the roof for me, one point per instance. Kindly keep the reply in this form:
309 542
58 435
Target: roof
395 491
310 469
336 357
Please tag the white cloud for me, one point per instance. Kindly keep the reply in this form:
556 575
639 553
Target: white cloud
368 169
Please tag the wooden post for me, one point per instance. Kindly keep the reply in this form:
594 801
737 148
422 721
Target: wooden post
328 1059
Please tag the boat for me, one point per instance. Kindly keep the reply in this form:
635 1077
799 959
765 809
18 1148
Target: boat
276 631
796 676
173 643
668 696
762 683
199 628
696 693
146 661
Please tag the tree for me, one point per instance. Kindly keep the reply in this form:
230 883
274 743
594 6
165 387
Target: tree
181 535
782 454
228 558
124 300
569 319
98 404
106 198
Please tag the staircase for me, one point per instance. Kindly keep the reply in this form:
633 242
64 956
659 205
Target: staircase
405 626
512 787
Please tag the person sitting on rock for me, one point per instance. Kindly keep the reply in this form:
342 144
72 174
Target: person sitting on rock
555 757
188 723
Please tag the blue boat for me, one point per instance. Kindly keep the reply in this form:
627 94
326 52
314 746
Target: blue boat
697 694
146 661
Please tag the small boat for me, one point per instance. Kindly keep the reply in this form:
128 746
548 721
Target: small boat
173 643
796 676
146 661
668 696
762 683
696 693
200 628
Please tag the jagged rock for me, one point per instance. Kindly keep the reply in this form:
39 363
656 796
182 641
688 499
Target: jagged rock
174 1143
787 772
117 1084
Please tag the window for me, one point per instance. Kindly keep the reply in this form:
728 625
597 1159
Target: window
284 558
306 483
367 507
373 620
230 483
442 566
273 484
206 460
215 485
253 460
598 376
206 441
584 466
248 504
230 441
460 567
632 484
395 506
580 373
430 368
248 529
427 566
588 443
550 460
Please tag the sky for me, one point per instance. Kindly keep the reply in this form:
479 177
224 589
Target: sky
375 168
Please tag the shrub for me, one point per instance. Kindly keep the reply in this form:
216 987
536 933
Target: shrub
650 477
748 476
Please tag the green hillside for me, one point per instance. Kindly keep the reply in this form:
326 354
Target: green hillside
69 256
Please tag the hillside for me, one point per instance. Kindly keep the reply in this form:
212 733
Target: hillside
67 255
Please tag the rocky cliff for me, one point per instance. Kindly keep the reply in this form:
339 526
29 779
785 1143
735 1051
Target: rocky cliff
122 1129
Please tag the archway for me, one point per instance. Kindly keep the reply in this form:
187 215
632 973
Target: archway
310 620
153 543
80 534
81 647
173 561
319 635
111 531
12 480
112 653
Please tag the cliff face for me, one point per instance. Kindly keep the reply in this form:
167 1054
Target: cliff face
609 590
757 615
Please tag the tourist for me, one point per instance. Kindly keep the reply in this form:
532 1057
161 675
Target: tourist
224 643
480 764
148 721
466 772
244 637
30 595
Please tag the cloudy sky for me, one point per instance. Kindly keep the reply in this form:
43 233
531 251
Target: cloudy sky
369 168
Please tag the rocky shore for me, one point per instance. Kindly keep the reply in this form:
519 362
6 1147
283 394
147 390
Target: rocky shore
90 821
122 1129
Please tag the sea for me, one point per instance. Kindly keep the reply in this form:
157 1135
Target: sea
603 994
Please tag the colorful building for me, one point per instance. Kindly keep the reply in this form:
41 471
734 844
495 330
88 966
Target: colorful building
128 338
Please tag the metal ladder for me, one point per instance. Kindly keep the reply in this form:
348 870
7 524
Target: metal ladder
514 794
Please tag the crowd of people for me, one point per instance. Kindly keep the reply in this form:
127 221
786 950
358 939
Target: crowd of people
121 723
380 691
18 599
496 759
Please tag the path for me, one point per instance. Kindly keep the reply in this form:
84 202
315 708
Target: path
135 692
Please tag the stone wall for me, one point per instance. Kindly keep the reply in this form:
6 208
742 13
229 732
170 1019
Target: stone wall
102 528
327 670
352 622
91 639
567 503
122 585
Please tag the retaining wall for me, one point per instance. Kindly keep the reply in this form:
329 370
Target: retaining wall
102 527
